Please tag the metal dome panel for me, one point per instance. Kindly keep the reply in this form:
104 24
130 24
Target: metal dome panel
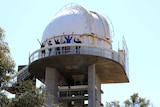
78 20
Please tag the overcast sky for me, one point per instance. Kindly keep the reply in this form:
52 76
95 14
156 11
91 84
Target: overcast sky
137 20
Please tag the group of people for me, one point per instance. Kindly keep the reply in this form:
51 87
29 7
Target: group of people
64 49
43 45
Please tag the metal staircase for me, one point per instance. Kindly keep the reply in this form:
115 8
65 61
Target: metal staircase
22 74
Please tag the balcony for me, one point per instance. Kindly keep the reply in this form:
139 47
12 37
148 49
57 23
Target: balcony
108 61
84 50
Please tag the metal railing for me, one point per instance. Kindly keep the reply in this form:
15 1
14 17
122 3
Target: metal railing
22 76
85 49
23 73
78 92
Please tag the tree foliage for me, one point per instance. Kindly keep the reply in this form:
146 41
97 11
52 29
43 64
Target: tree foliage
4 101
27 95
134 101
113 104
6 67
6 62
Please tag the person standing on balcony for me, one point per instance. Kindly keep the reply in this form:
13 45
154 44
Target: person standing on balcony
42 46
57 48
68 40
64 48
77 47
49 44
43 51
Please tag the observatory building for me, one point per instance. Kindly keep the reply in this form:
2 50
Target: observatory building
76 57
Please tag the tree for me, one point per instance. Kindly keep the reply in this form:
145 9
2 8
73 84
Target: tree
6 67
6 63
136 101
4 100
112 104
27 95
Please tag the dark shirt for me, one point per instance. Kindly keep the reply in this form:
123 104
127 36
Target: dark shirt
49 43
78 41
68 39
42 45
57 42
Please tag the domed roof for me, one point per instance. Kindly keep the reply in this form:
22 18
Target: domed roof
78 20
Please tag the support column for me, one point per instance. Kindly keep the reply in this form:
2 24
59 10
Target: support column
91 86
51 79
98 92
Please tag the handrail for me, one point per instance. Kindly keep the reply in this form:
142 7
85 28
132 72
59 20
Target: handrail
13 79
79 35
19 72
73 88
108 53
104 52
65 45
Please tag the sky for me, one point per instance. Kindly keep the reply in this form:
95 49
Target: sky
137 20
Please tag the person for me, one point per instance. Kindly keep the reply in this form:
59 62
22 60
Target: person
68 40
43 51
77 47
57 49
49 44
64 48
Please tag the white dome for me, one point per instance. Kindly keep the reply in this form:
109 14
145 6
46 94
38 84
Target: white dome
78 20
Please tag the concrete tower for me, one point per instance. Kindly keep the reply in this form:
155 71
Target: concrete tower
77 57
